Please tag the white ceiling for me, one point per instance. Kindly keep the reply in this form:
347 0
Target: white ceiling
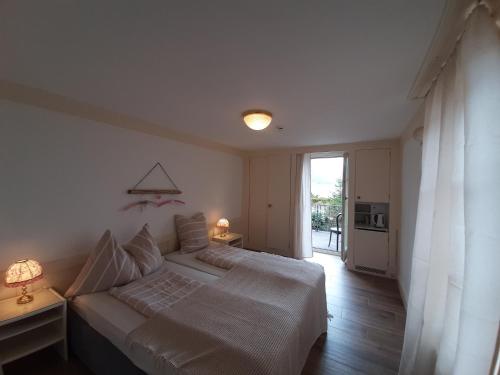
331 71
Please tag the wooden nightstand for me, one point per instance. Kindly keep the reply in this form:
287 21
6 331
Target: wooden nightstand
231 239
25 329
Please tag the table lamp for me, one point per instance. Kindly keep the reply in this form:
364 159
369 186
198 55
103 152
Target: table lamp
224 224
22 273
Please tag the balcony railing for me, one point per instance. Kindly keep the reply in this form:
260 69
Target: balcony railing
323 216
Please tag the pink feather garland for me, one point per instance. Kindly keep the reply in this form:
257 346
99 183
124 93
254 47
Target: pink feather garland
146 202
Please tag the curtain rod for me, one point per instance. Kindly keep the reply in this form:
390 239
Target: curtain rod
492 6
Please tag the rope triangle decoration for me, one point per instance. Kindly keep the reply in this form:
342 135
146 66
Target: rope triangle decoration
137 190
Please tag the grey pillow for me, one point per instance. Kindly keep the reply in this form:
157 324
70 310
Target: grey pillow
145 251
107 266
192 232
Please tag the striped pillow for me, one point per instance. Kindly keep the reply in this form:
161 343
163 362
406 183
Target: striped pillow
192 232
145 251
107 266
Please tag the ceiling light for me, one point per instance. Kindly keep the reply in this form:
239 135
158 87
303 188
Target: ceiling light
257 119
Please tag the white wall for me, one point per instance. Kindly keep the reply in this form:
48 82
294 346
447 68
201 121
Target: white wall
63 181
411 157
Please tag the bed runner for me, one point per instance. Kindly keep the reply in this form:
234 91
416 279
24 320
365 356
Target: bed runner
155 292
222 256
262 317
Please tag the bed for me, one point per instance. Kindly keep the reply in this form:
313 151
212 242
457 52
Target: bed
102 328
99 325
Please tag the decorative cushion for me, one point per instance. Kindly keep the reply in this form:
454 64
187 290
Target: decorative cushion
107 266
145 251
192 232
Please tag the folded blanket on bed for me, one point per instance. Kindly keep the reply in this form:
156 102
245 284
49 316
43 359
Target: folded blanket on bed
155 292
222 256
262 317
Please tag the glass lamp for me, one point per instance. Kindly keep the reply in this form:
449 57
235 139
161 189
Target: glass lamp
257 119
22 273
223 223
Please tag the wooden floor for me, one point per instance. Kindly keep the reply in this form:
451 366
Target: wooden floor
365 335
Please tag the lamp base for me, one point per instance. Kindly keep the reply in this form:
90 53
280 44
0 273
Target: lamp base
25 297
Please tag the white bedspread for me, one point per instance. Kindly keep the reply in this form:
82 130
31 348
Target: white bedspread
262 317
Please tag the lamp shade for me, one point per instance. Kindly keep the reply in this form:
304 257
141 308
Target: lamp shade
223 223
23 272
257 119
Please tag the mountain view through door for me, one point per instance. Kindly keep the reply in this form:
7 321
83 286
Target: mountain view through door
327 203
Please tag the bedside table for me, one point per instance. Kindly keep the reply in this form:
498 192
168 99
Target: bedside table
25 329
231 239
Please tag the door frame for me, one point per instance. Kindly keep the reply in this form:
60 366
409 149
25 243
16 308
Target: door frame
345 187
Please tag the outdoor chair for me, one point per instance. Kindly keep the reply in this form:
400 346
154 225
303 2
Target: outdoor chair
337 230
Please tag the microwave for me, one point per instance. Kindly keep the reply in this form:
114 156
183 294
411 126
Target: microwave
364 214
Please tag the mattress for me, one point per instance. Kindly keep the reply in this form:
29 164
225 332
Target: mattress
115 320
189 260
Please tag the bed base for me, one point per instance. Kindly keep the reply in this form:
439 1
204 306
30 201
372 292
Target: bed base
95 350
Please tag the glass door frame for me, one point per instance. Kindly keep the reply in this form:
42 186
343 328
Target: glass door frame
345 187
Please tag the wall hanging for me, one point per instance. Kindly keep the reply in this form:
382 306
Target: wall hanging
156 192
147 202
137 190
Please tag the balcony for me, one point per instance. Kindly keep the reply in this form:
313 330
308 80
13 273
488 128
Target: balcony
323 219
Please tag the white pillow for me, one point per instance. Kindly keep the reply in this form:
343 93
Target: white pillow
107 266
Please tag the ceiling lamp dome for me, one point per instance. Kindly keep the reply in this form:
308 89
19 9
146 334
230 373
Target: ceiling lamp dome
257 119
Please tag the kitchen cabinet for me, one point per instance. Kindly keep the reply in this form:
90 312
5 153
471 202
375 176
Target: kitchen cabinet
269 203
371 250
373 173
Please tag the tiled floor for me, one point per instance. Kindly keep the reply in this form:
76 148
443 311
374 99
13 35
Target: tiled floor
320 240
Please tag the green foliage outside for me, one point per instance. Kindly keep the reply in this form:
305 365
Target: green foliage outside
335 198
318 221
322 219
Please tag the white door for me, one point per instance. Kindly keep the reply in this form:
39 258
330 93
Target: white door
278 208
257 210
373 170
371 249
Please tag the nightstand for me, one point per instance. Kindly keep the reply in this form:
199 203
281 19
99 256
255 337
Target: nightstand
25 329
231 239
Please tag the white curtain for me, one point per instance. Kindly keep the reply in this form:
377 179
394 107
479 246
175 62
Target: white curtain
454 303
302 236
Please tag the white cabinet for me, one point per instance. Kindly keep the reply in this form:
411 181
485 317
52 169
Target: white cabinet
269 203
257 203
27 328
373 173
371 250
278 197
